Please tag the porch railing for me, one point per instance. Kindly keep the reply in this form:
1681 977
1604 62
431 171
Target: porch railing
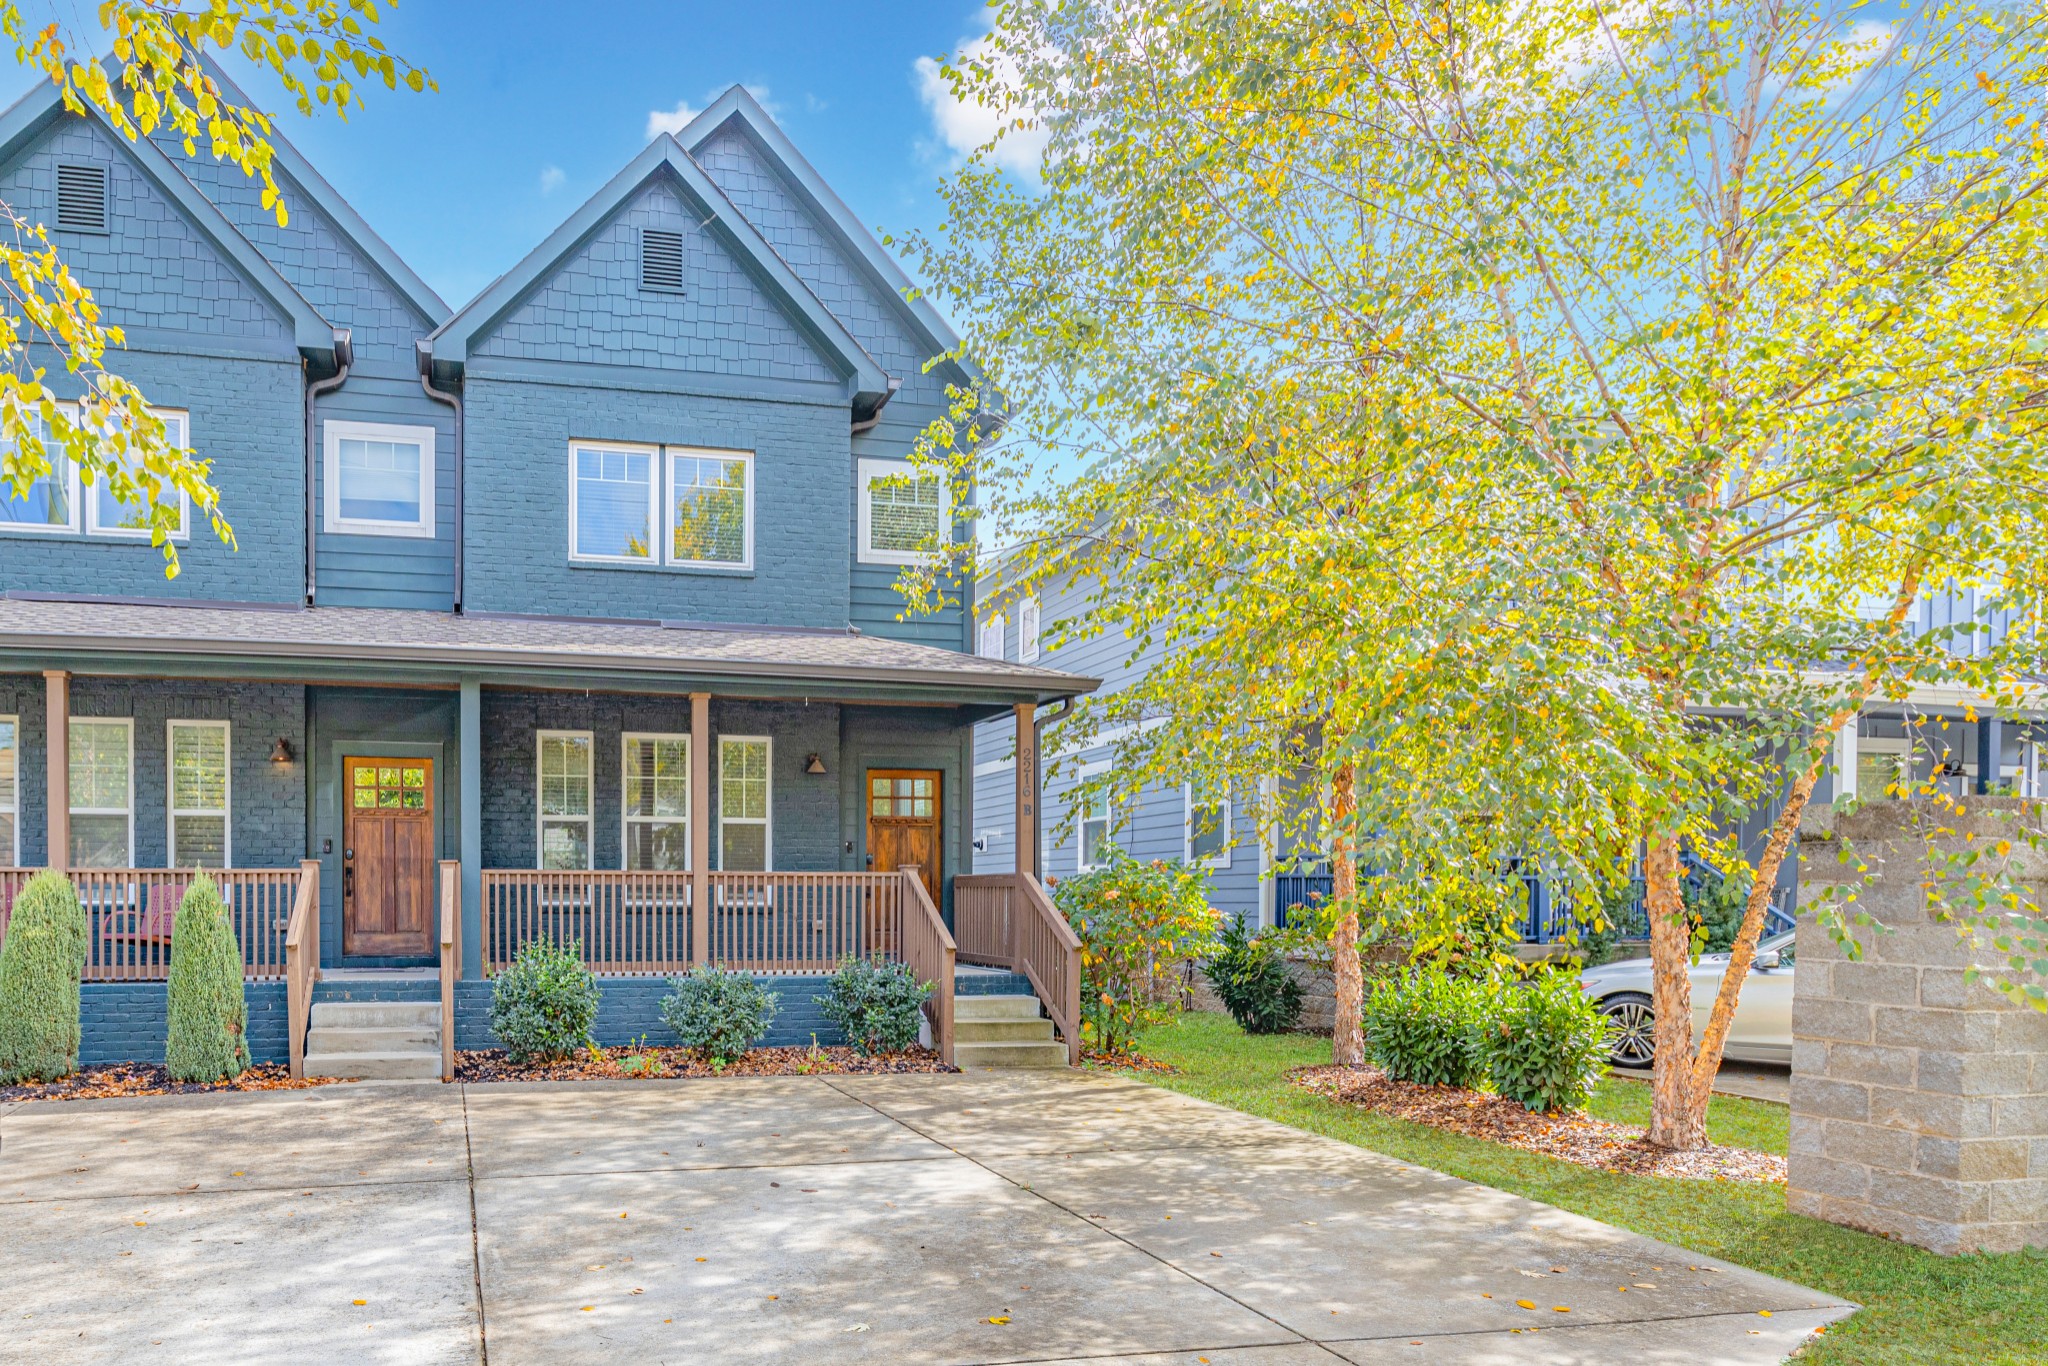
1006 920
130 912
929 951
302 962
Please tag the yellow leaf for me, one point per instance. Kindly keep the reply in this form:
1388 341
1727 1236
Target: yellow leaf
1000 1318
358 1301
1526 1304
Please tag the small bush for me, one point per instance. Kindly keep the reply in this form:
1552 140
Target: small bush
1544 1043
1251 977
718 1013
876 1002
544 1004
208 1038
1420 1028
40 963
1140 925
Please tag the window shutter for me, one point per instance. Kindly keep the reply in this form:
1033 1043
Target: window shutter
661 260
82 198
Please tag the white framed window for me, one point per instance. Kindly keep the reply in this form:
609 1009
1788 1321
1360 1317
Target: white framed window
745 803
611 502
1092 834
1027 631
991 639
198 790
710 508
655 784
379 479
106 515
102 754
562 797
10 810
900 510
49 506
1885 768
1206 834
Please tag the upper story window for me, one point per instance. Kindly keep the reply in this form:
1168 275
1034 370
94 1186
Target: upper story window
1027 630
657 801
106 515
198 807
991 639
562 792
50 503
55 504
380 479
901 511
102 793
1093 845
616 502
1207 837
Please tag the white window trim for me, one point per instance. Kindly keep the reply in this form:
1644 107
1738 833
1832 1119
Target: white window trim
867 470
91 505
227 789
127 724
994 624
588 818
334 431
1081 863
1187 848
13 808
1027 631
627 820
654 466
766 821
69 528
666 481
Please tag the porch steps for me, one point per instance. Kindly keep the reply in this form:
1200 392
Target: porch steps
374 1040
1005 1032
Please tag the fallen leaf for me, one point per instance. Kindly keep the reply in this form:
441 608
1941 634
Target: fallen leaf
1763 1313
636 1289
858 1328
358 1301
1000 1318
1215 1254
588 1307
1560 1309
1526 1304
703 1259
1645 1285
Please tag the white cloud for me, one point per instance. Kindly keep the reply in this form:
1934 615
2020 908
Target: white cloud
674 120
961 128
552 178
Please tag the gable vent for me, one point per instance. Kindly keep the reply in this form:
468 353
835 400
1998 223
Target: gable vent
82 198
661 260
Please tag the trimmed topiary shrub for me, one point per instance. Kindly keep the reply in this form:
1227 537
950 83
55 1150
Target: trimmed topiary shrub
1251 978
544 1003
718 1013
1420 1028
1544 1043
876 1002
40 963
209 1019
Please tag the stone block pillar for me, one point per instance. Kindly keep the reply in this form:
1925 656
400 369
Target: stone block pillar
1919 1100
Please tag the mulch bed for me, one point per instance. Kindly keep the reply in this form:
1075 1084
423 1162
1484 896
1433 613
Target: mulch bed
1127 1062
492 1064
1579 1138
150 1079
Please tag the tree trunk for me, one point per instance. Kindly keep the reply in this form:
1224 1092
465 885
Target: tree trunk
1676 1121
1347 1042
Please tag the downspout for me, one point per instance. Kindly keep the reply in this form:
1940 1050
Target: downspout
453 398
869 423
1039 721
344 356
1038 725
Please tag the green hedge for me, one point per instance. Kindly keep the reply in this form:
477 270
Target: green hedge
40 964
208 1037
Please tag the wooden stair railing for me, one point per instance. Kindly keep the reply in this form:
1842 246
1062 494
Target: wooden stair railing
302 962
1006 920
927 948
451 959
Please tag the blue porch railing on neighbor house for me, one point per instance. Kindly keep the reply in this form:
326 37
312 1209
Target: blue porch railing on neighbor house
1549 917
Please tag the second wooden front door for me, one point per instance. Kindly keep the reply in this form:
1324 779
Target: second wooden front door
387 868
903 823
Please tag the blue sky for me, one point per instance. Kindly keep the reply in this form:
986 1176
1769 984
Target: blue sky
539 104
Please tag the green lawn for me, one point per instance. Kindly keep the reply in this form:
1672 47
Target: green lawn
1917 1307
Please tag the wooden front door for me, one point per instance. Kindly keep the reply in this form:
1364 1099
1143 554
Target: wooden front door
387 866
903 823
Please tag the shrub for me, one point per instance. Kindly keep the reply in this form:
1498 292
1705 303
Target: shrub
1140 924
876 1003
1544 1043
1251 977
1420 1027
718 1013
543 1005
40 963
208 1038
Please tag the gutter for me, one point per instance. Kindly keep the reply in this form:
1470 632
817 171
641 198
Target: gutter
872 420
453 398
344 356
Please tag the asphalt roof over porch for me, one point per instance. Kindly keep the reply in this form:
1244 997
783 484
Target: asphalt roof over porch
282 640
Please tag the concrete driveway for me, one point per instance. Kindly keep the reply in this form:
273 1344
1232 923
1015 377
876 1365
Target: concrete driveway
988 1218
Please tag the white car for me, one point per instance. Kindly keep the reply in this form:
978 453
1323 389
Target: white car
1762 1031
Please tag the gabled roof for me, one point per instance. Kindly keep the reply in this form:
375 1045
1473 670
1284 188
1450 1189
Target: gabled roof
736 105
39 110
664 159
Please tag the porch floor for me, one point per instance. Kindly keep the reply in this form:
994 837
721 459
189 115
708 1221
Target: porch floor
1046 1217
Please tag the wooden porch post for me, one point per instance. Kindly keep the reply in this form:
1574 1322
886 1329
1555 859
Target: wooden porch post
57 761
470 839
700 828
1027 788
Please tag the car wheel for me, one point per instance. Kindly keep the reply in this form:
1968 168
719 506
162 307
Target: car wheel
1632 1040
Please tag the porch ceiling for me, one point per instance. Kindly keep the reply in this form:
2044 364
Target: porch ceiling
342 644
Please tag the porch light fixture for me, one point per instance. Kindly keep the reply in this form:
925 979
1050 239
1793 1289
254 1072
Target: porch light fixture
814 764
283 753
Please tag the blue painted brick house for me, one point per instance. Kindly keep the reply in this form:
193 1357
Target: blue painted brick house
566 613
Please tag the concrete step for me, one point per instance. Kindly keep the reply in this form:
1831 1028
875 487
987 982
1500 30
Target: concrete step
1045 1053
1001 1031
377 1014
375 1066
354 1038
995 1008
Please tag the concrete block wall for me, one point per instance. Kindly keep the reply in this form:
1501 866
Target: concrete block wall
1919 1098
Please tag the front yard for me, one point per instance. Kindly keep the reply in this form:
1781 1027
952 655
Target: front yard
1918 1308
